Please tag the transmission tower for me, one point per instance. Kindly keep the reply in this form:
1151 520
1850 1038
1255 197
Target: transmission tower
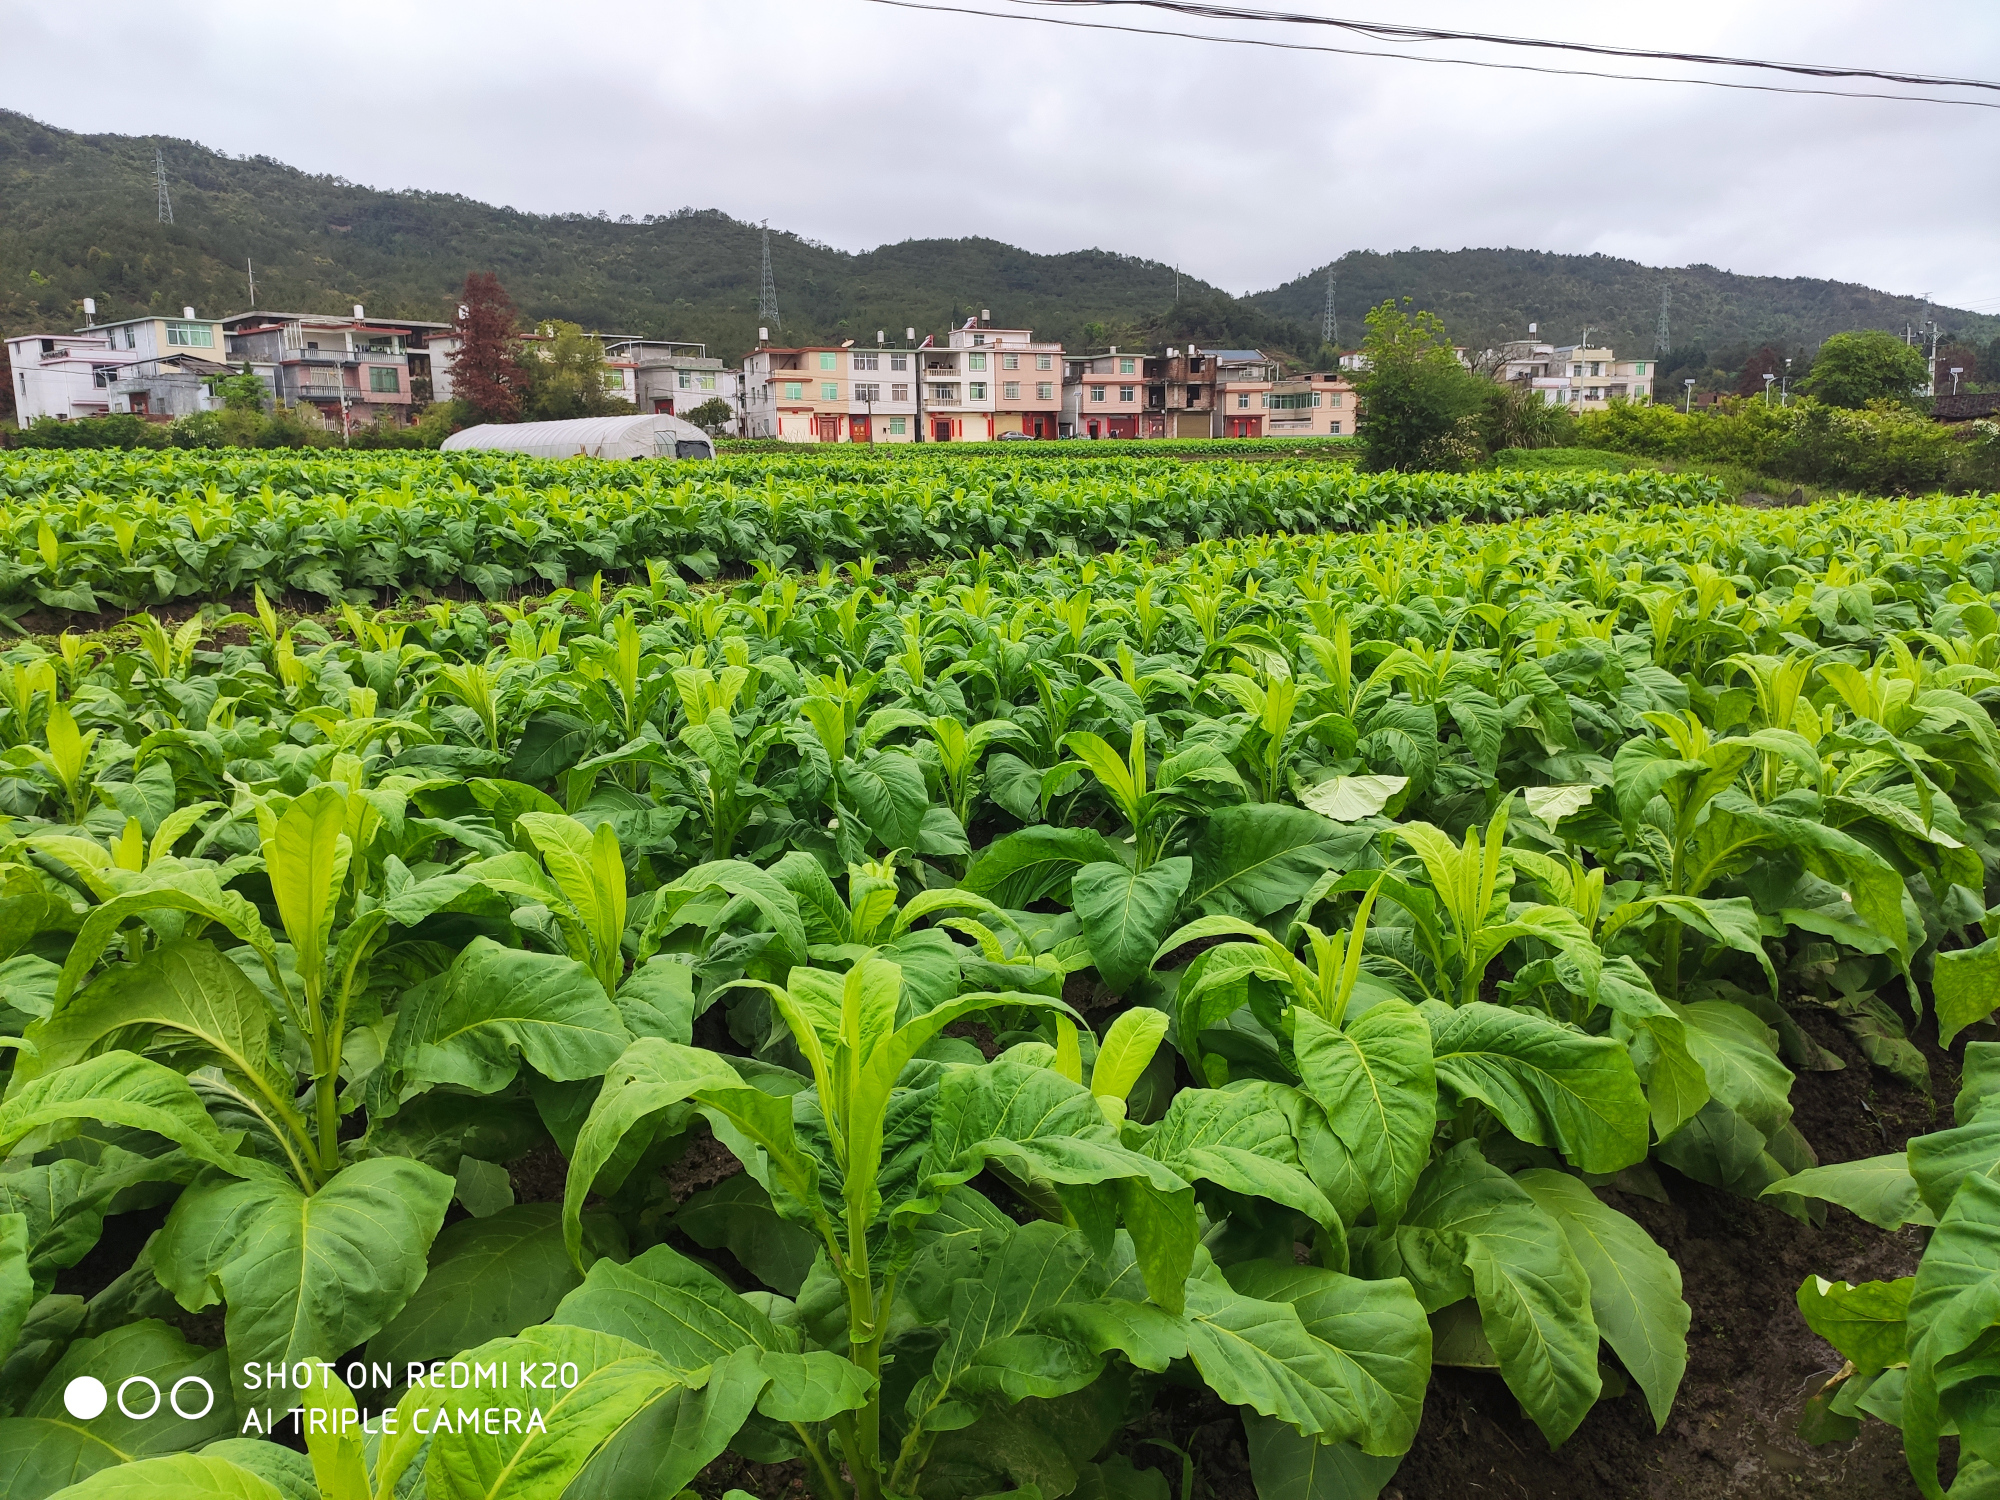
1329 322
160 178
1661 343
767 292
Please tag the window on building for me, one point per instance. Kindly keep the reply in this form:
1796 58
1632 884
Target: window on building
899 361
1575 371
191 335
103 375
1243 400
899 427
1045 390
684 379
829 390
795 390
1010 361
1044 362
944 393
1097 393
1334 427
827 361
867 391
899 392
1597 367
705 382
975 361
976 391
1125 366
1010 390
1128 393
1639 368
1339 398
867 361
386 378
131 339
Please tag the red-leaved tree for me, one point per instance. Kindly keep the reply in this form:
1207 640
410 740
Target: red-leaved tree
485 372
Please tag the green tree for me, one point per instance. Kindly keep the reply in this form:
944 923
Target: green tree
1418 403
1853 369
712 415
566 375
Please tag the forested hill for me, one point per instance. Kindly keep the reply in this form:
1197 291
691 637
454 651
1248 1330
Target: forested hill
1488 296
78 219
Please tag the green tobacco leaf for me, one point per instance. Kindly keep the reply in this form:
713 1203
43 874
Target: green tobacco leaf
736 1215
1125 913
118 1088
1943 1159
1879 1189
17 1282
489 1278
179 1476
1377 1338
1255 857
1243 1140
1349 799
1739 1055
1635 1287
1533 1293
43 1447
303 1278
1377 1084
613 1382
1866 1323
306 854
1676 1087
1965 984
499 1006
1018 869
668 1304
1125 1050
1038 1124
1285 1466
995 1347
1954 1304
672 1438
1548 1084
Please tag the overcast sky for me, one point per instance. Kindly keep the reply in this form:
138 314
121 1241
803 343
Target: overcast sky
856 123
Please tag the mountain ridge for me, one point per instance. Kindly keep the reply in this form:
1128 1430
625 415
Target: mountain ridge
77 219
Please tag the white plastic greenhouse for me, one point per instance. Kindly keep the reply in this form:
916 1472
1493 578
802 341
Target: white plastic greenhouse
655 436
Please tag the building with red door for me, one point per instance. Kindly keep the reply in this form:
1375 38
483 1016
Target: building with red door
798 395
1104 394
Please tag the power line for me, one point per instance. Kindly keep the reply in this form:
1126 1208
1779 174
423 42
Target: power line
1383 31
1457 62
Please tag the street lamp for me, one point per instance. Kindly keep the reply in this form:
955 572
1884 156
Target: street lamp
1956 371
1687 409
1784 391
1768 378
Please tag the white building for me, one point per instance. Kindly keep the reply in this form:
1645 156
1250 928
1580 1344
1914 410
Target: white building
157 367
673 377
1581 377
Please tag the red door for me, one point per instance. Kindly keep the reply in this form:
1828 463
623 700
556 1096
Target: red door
829 429
941 430
860 430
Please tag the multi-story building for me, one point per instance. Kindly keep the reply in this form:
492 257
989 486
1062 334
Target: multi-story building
1582 377
675 377
157 367
354 371
1103 394
1316 405
1010 385
1244 380
881 393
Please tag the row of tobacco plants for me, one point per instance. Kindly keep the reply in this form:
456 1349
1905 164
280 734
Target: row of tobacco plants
88 531
1111 973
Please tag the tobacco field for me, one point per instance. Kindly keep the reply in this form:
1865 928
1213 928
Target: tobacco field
879 975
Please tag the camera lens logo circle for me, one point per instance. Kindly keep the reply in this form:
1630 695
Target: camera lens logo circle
85 1397
191 1398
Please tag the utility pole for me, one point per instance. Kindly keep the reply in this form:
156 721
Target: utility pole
1329 323
1660 341
251 271
160 178
767 291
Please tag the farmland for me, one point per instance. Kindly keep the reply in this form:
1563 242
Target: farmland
918 974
